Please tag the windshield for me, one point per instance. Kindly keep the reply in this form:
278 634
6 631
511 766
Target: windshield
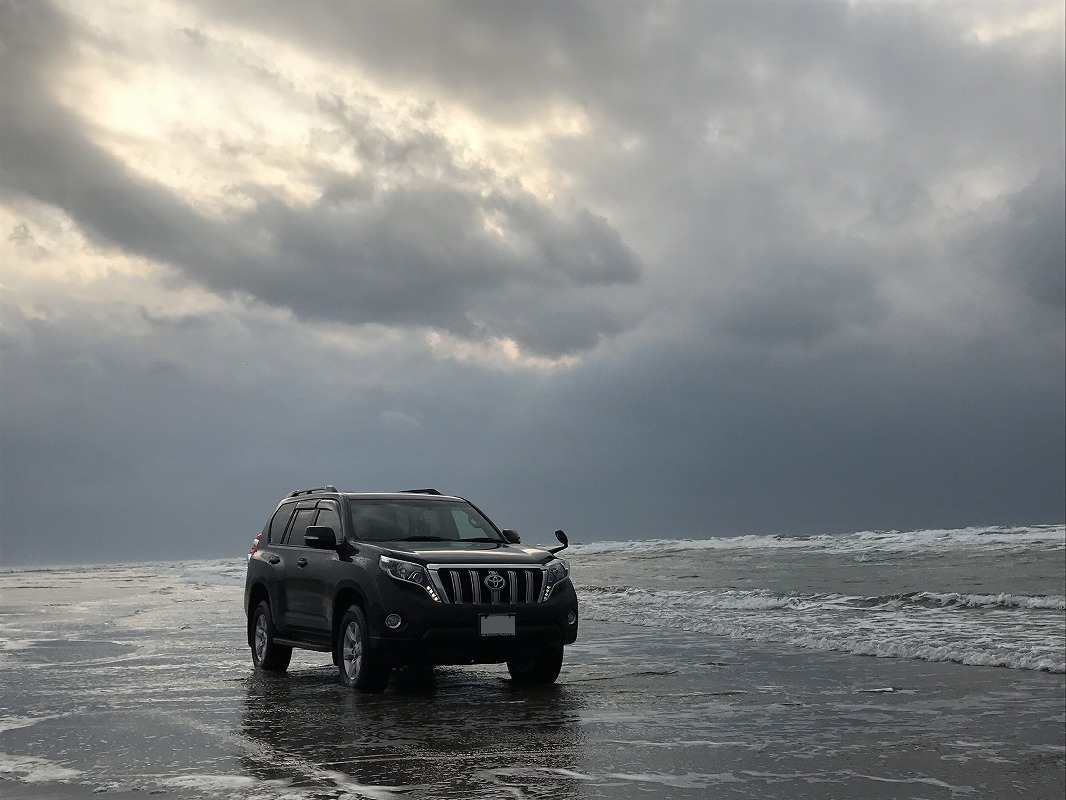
418 520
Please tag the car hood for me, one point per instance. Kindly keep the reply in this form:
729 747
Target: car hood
468 553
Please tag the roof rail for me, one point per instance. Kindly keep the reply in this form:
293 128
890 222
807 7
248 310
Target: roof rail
420 491
327 488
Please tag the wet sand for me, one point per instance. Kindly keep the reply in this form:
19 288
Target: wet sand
636 713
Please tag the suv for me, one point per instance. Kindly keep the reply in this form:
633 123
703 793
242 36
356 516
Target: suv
404 579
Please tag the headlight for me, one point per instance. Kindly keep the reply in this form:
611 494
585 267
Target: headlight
557 572
407 572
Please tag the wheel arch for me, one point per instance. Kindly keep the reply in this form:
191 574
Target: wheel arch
346 596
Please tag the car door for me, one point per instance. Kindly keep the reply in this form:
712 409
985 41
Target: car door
269 562
311 581
292 555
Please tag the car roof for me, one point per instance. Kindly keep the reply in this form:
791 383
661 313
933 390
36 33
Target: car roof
404 494
398 496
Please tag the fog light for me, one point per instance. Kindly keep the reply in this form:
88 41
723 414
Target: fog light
571 618
393 621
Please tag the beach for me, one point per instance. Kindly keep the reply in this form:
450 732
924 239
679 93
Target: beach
632 716
135 681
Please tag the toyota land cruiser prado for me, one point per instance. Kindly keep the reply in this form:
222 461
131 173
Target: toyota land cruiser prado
412 578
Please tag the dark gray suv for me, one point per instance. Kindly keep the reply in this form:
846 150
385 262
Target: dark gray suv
404 579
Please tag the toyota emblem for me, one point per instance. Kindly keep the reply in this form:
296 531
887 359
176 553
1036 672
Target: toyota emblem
495 581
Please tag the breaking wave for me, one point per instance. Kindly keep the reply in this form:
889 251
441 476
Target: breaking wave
1047 537
1001 630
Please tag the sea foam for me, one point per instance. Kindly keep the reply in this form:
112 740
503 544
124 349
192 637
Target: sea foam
921 625
978 538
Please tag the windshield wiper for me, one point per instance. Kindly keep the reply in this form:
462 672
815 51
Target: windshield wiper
424 539
491 539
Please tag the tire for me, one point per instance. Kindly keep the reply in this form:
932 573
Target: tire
265 654
358 665
537 669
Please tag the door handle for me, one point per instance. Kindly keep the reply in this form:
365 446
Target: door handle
301 562
274 560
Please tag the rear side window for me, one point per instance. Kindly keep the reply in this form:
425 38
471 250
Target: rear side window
280 522
304 518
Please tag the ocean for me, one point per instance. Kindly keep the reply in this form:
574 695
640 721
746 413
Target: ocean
979 596
923 664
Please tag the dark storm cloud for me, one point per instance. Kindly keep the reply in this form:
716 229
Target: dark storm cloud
661 66
406 255
423 257
670 441
1024 241
137 443
805 293
870 105
810 255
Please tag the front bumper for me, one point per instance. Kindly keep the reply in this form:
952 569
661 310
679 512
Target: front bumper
441 633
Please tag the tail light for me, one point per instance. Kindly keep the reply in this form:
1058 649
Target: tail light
255 546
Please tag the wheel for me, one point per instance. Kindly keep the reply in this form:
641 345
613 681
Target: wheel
359 666
265 654
537 669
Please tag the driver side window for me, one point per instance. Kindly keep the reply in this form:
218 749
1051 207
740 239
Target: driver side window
329 517
469 527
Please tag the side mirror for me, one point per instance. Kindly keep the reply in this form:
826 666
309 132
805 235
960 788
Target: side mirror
511 536
320 537
562 538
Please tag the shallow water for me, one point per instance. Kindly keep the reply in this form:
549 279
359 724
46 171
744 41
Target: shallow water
137 679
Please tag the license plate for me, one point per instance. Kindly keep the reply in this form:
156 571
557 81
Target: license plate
497 624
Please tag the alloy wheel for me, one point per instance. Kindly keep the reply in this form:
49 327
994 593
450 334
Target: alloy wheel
353 650
261 638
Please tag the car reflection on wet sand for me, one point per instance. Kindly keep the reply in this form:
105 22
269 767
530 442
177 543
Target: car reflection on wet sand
451 733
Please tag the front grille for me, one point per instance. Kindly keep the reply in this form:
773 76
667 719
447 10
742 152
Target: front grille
489 585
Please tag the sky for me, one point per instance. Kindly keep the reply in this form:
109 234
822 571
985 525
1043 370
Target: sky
631 269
